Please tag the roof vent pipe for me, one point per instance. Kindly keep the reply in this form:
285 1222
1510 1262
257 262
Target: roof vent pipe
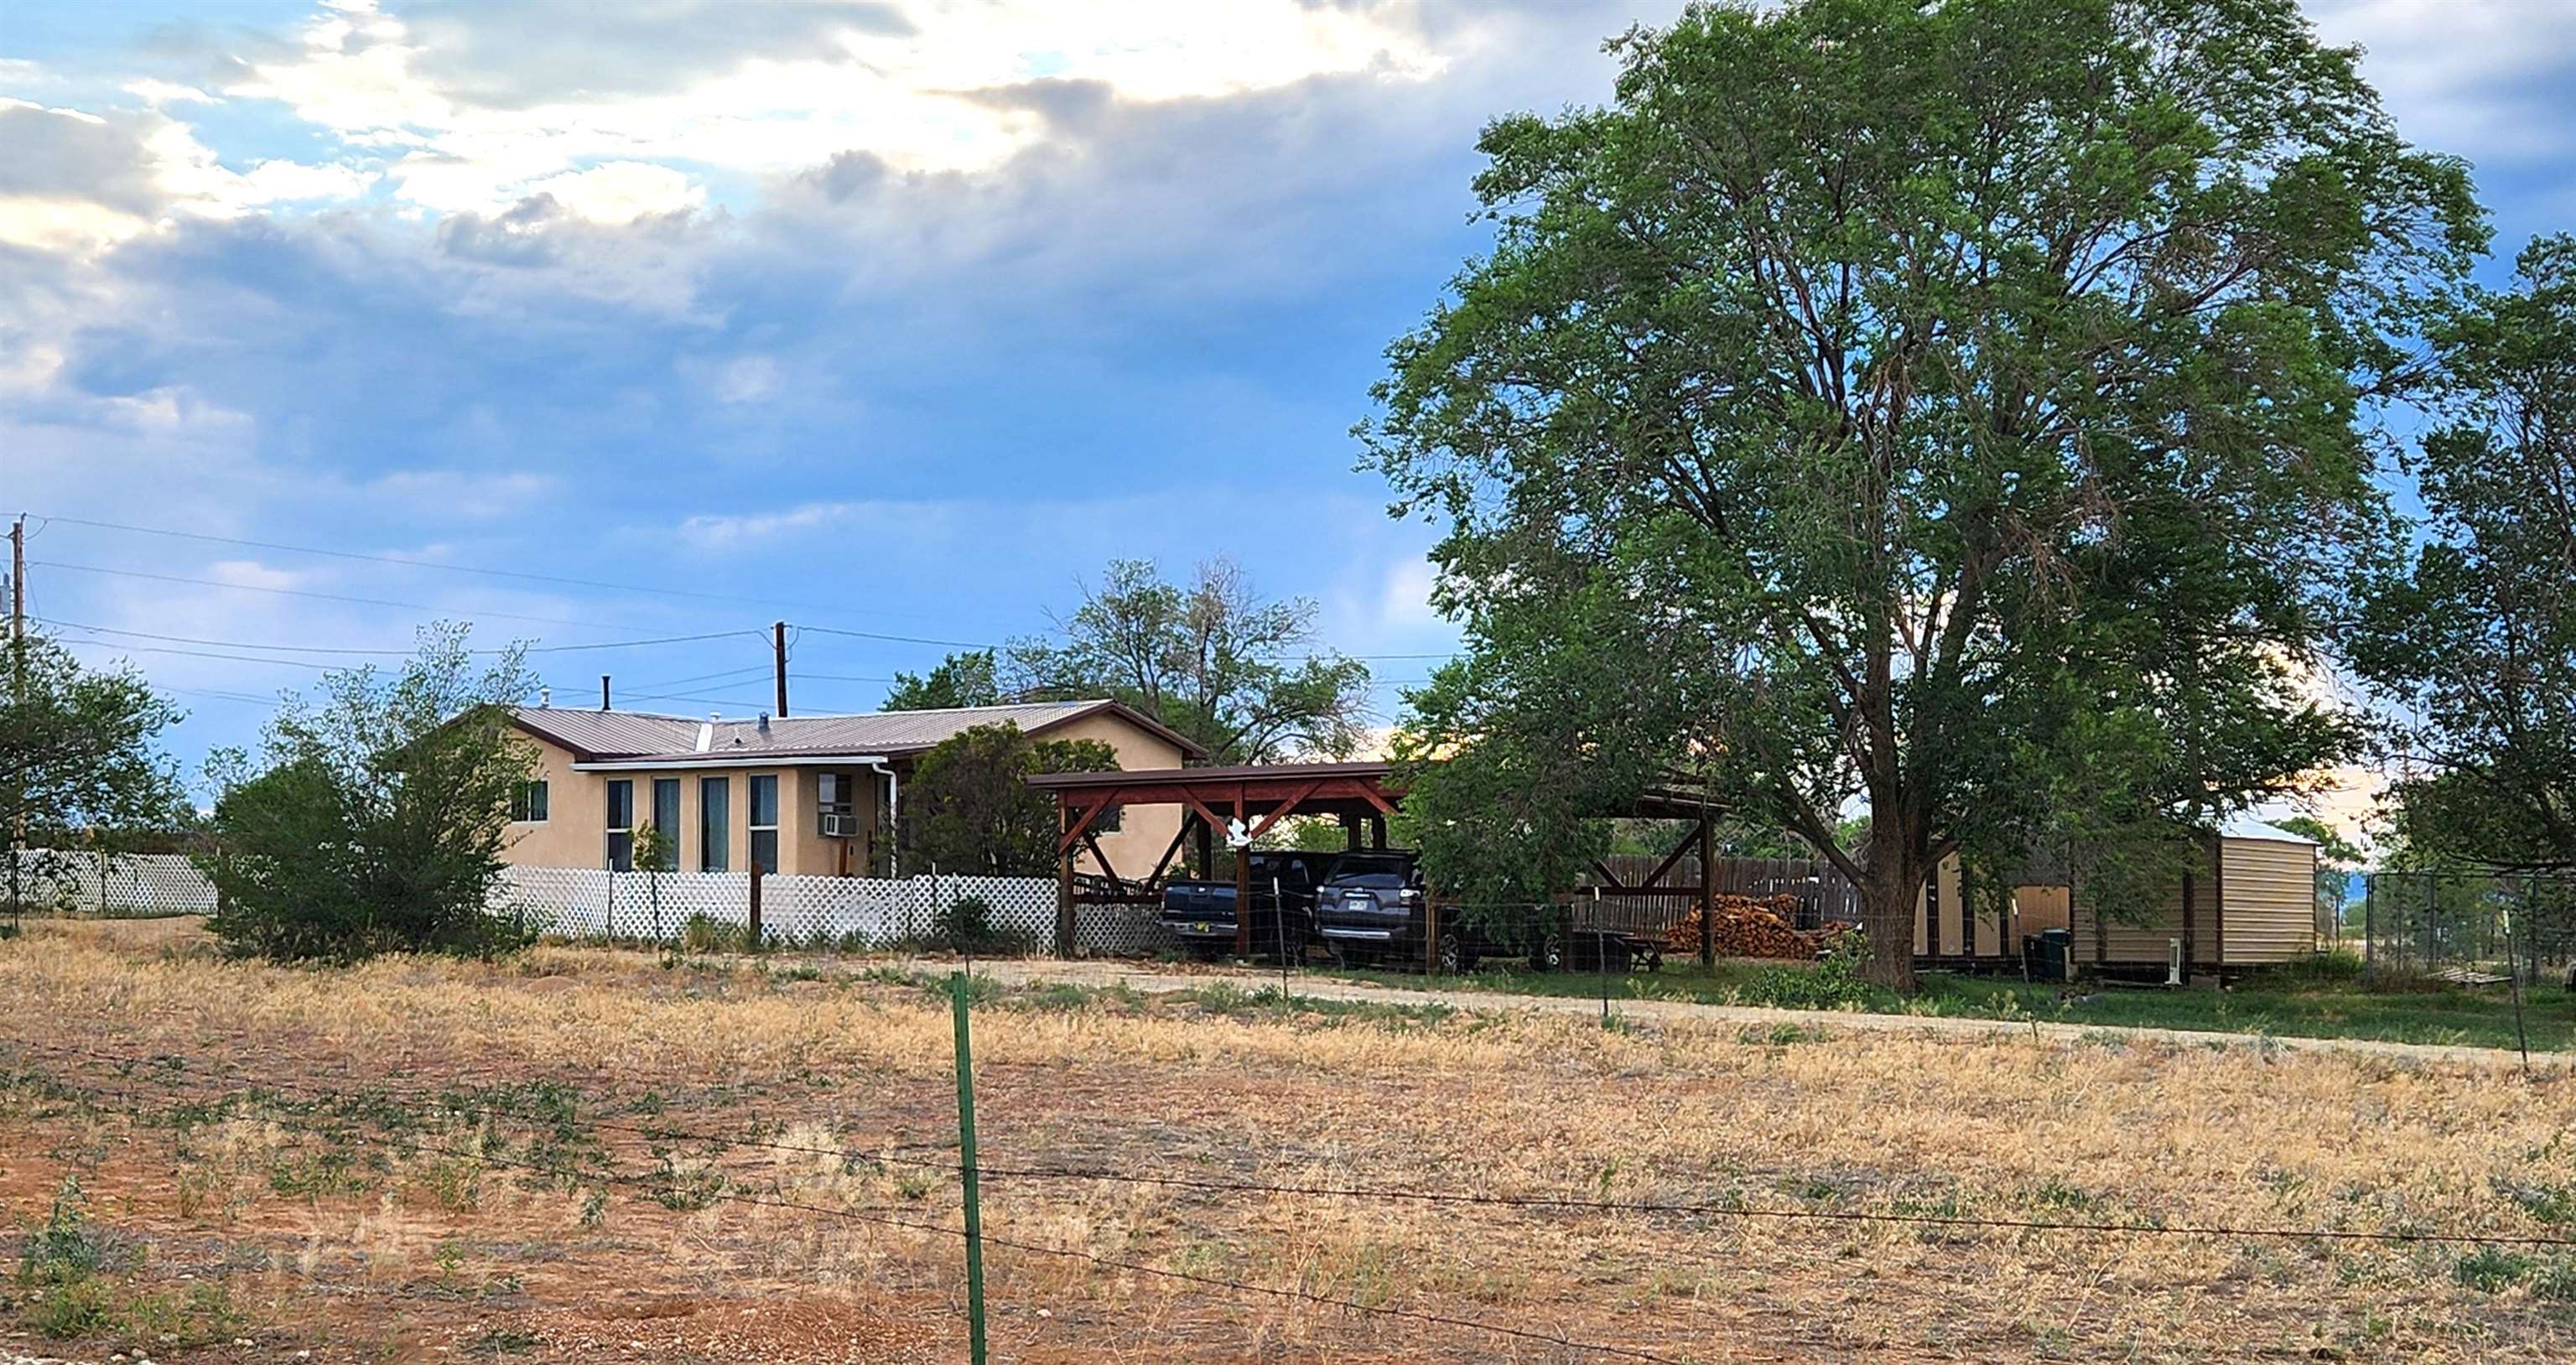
545 696
603 691
764 722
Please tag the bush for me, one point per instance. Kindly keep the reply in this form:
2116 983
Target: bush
379 821
1833 983
703 935
965 925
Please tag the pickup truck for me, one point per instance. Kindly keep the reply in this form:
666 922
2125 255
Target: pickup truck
1201 913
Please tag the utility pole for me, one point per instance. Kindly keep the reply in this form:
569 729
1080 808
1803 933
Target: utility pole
17 692
778 655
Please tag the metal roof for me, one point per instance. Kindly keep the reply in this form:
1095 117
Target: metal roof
2247 827
644 737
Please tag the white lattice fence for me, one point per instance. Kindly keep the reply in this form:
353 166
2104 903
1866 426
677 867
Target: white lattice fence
844 912
138 884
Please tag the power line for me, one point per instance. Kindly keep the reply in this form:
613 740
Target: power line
900 639
318 596
522 575
403 653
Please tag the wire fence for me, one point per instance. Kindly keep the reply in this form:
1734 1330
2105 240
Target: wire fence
392 1119
2482 928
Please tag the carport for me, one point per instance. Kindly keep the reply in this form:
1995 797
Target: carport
1360 795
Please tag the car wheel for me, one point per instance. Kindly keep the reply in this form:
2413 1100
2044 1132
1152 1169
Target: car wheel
1548 955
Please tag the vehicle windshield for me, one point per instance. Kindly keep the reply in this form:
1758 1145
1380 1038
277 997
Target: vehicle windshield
1370 872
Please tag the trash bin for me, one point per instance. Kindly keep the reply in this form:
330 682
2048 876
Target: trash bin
2046 954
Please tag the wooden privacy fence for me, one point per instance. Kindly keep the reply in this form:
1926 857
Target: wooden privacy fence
1822 891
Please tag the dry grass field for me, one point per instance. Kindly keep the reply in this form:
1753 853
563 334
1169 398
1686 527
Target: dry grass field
550 1158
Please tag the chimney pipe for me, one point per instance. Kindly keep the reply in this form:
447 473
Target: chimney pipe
603 691
764 722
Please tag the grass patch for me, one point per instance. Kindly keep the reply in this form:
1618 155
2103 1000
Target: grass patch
2300 1002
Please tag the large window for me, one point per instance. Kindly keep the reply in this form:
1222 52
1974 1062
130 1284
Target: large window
528 803
715 824
666 823
621 825
764 821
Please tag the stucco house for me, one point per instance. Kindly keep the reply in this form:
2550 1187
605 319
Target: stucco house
799 796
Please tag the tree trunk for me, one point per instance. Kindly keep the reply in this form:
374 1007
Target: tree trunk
1891 897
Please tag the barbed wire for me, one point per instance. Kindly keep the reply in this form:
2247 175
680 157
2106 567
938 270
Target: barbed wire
877 1216
1472 1198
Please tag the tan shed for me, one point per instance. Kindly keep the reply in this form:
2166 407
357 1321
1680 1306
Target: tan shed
2249 899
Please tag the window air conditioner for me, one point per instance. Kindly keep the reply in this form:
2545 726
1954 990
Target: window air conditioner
840 826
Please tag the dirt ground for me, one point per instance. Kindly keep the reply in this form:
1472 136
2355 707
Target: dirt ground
590 1155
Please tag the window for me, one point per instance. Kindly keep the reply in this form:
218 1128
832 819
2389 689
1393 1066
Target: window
715 824
528 803
621 825
666 822
764 822
833 802
1109 820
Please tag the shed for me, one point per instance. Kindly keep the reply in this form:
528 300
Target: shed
2246 899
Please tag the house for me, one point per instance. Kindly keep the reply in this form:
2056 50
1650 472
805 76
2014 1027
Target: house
807 795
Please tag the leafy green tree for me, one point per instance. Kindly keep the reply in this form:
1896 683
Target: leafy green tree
1214 660
1963 406
2473 634
2337 857
960 680
78 762
969 807
378 820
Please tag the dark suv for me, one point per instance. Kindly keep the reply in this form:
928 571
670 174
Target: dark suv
1372 906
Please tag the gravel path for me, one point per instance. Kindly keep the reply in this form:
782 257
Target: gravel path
1149 980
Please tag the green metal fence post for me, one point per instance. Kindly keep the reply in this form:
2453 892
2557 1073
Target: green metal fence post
958 990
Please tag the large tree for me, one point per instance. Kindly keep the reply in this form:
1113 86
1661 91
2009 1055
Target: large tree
1214 660
79 764
377 822
969 808
960 680
2472 634
1954 406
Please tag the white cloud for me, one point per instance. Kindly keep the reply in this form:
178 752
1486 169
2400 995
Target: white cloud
622 191
900 92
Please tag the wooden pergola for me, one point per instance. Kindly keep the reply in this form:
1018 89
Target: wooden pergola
1360 795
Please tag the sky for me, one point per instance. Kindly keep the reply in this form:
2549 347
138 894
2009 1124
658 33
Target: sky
597 323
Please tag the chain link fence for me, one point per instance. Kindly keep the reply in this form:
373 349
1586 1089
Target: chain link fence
2474 927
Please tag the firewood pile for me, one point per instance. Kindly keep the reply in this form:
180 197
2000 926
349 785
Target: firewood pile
1751 926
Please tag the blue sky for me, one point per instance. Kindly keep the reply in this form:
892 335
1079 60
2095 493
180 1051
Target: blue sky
892 317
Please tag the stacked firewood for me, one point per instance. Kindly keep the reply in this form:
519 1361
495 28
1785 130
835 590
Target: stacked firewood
1750 926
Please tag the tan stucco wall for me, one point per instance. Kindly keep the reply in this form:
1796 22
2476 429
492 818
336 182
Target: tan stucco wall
1143 831
575 832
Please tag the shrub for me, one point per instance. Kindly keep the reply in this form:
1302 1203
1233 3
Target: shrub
965 925
379 821
703 935
1833 983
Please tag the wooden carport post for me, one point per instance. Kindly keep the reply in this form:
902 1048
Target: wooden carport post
1707 894
1063 880
1242 874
